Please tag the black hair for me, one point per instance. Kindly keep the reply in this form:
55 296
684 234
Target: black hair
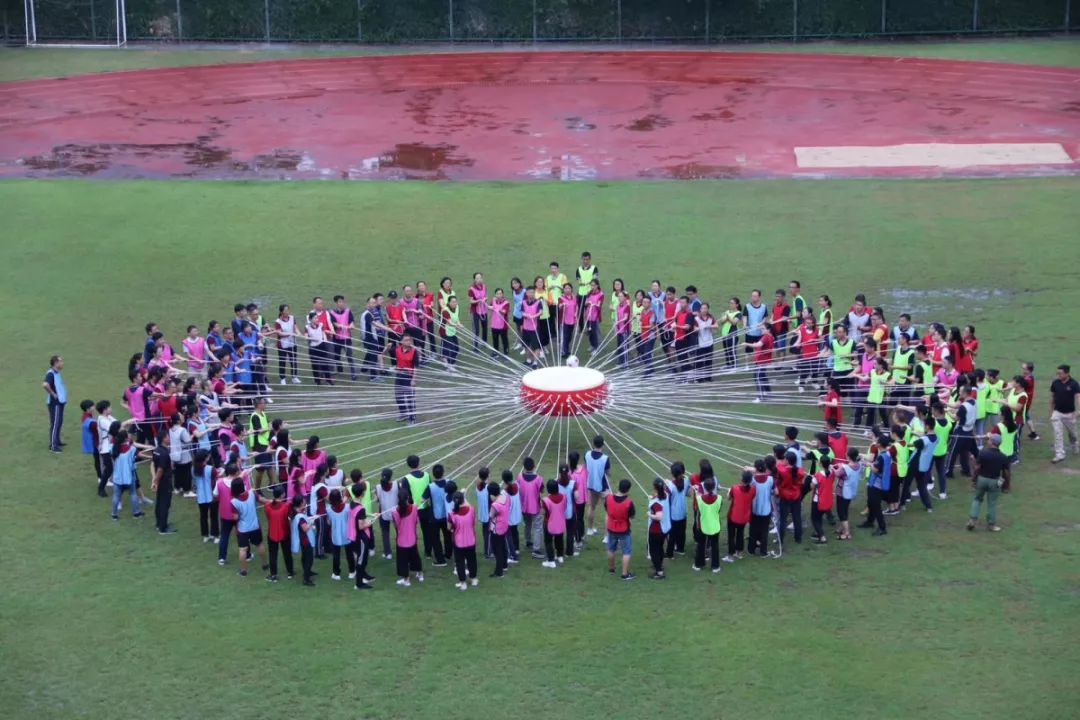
552 487
236 487
791 457
598 442
437 471
356 474
338 297
529 464
747 477
312 443
413 461
458 499
494 490
677 468
573 458
507 476
660 487
709 485
791 432
624 486
822 438
334 497
483 473
86 405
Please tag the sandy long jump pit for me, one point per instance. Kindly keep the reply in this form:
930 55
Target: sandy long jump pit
549 115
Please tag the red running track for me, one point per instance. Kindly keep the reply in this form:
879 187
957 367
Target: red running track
533 115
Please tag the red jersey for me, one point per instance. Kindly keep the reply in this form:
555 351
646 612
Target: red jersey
763 354
682 324
824 494
838 443
780 313
167 406
428 302
742 500
277 518
618 513
669 313
790 487
646 324
967 363
395 318
809 342
406 359
1029 388
327 323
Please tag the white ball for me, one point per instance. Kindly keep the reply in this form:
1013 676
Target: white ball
572 361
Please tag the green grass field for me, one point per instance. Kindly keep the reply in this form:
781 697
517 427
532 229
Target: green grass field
109 620
24 64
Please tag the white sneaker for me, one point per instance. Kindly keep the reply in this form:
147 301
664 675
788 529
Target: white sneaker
296 381
774 531
548 564
406 583
461 586
475 582
942 496
716 570
352 576
269 401
802 389
400 581
577 553
727 559
561 559
335 577
206 539
217 540
189 494
757 400
420 577
284 381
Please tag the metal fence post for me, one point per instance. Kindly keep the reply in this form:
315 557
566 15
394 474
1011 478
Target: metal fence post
451 20
359 21
618 20
975 16
708 3
266 19
179 22
883 16
794 20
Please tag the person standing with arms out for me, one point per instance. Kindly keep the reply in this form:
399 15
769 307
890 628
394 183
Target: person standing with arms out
991 475
462 523
763 356
554 519
659 526
585 274
478 310
707 525
1064 397
405 380
55 401
554 283
620 512
597 467
741 498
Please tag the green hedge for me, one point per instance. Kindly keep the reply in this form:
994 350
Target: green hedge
388 21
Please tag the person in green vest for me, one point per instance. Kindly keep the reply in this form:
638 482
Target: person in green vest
923 376
1008 429
798 303
259 441
943 429
730 321
554 282
707 525
902 362
417 481
841 349
585 274
995 396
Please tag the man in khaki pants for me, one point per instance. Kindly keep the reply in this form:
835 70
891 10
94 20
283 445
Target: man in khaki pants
1064 397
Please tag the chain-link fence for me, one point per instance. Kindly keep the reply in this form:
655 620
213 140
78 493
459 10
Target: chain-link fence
390 21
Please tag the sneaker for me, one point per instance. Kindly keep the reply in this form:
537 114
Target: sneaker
995 528
717 569
891 512
442 564
242 573
289 576
420 577
942 496
221 562
474 582
308 583
335 577
352 576
296 381
1058 460
400 581
496 575
560 559
879 533
167 531
1032 436
727 559
363 586
387 556
577 553
696 568
216 540
284 381
628 576
189 494
206 539
139 515
658 576
271 578
116 517
548 564
512 561
758 400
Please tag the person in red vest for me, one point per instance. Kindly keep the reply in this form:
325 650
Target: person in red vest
620 511
822 487
406 359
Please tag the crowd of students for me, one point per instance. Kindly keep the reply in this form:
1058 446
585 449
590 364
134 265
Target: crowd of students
199 416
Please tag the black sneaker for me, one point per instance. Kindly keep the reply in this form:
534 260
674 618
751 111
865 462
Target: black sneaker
308 583
629 576
138 515
364 586
167 531
115 517
496 575
101 493
242 573
879 533
271 578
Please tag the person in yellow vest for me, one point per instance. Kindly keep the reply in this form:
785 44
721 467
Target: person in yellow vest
798 303
259 441
585 274
553 282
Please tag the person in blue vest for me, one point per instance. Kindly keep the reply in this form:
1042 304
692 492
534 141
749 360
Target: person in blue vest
598 467
55 400
878 485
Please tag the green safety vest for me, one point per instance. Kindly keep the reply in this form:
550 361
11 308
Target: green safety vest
1013 398
366 500
842 355
554 284
262 436
731 321
794 314
943 432
1008 440
903 457
877 387
824 321
444 297
710 516
928 378
982 396
585 280
901 366
995 397
450 329
417 486
614 306
635 318
544 314
915 428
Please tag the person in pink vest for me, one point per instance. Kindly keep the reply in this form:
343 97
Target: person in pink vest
531 485
554 505
344 323
462 523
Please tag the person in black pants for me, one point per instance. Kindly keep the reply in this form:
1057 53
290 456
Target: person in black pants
361 548
880 481
57 399
498 540
162 484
